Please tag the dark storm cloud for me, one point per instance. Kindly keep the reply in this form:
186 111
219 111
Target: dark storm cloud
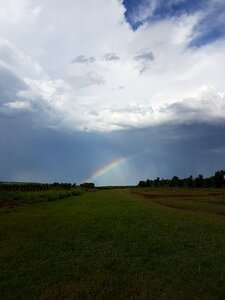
170 150
28 153
82 59
111 57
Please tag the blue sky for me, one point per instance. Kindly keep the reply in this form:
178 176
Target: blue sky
84 83
210 28
161 9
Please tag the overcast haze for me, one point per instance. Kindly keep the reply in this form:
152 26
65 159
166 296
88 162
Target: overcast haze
84 83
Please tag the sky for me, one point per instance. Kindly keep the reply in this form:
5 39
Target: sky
111 91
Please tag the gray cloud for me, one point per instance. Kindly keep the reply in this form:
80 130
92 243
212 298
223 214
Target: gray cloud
82 59
19 101
183 110
203 109
11 104
111 57
10 84
118 88
7 54
145 56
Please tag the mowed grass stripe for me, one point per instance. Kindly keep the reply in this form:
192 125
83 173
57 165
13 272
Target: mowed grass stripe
110 245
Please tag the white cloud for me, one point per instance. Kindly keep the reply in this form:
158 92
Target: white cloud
47 35
20 105
18 11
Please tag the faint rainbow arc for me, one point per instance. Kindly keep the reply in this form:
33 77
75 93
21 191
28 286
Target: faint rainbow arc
113 164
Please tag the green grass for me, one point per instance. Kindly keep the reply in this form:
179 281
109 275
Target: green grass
113 245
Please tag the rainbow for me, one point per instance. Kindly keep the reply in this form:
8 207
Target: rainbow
106 168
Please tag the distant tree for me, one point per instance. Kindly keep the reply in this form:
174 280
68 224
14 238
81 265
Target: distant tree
142 183
199 181
162 182
219 179
148 183
175 181
190 182
157 182
87 185
209 182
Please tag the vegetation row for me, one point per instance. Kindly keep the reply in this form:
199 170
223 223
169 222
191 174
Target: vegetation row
217 181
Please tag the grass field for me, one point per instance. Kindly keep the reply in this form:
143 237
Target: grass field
115 244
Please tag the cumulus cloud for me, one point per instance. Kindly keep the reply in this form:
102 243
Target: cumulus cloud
206 107
161 73
18 105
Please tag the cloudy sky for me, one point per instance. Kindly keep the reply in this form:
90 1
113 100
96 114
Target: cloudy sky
138 86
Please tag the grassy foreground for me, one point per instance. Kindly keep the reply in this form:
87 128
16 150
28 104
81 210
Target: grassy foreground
115 244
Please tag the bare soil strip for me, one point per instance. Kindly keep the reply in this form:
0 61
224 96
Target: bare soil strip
5 204
155 198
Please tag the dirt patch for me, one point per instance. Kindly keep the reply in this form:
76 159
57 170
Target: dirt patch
156 196
5 205
181 196
170 205
176 206
158 199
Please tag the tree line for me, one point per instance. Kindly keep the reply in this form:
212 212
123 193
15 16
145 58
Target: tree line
216 181
32 187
